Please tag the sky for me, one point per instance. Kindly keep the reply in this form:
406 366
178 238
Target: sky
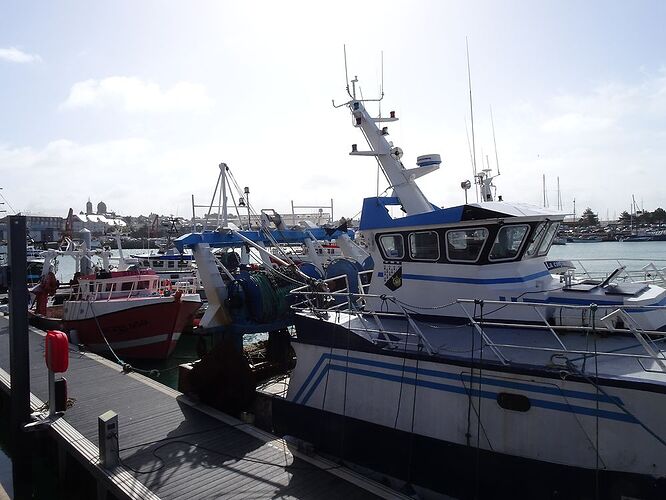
136 102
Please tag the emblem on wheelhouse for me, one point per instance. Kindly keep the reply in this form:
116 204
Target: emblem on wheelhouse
477 353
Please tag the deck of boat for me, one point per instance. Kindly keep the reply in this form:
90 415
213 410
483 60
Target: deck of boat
619 355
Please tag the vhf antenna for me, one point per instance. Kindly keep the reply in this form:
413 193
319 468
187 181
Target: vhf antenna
492 122
471 112
381 90
352 93
344 49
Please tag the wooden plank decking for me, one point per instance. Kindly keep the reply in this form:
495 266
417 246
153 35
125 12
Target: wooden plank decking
173 447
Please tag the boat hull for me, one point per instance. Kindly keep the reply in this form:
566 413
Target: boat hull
539 431
441 467
139 329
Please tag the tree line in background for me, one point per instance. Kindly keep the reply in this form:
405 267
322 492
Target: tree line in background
658 216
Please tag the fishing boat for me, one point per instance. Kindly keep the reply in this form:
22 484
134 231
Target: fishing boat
470 364
168 264
129 312
166 261
585 239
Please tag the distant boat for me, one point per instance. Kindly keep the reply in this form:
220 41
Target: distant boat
559 241
637 238
586 239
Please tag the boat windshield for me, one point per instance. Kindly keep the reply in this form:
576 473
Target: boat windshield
508 242
465 245
548 239
536 239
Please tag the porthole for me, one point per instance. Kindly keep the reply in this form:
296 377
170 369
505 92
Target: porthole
514 402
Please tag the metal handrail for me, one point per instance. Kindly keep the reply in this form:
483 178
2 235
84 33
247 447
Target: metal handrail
653 352
640 275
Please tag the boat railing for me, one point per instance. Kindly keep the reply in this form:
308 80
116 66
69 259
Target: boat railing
326 297
602 320
186 285
624 323
648 271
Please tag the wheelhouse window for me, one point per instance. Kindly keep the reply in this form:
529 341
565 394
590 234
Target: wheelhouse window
465 245
424 245
392 246
548 239
157 263
508 241
537 236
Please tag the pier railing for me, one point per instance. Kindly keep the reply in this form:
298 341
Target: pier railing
374 324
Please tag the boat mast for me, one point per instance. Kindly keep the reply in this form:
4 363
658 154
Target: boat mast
401 179
225 217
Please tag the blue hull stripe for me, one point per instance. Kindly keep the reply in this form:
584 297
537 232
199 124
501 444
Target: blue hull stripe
458 389
474 281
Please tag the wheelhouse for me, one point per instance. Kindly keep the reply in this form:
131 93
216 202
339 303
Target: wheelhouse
111 285
483 243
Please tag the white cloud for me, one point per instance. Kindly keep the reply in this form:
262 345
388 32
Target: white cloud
12 54
132 94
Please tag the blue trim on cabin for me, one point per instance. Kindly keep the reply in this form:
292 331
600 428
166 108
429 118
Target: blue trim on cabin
459 389
473 281
375 215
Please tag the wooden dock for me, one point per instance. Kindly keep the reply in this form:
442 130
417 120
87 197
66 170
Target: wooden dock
172 446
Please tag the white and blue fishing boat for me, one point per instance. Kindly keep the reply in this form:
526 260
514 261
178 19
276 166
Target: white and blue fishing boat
468 364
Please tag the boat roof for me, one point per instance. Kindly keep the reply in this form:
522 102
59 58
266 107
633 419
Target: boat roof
375 214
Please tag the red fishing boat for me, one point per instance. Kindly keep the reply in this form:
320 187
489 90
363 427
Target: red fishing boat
134 312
